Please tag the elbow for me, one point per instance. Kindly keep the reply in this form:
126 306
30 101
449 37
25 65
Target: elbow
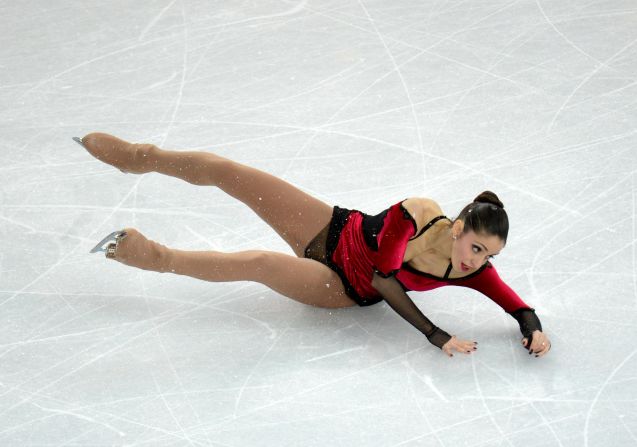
375 280
378 279
380 282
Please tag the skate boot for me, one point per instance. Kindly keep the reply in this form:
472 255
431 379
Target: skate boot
127 157
132 248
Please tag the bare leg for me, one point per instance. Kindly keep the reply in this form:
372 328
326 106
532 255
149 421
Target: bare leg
302 280
295 215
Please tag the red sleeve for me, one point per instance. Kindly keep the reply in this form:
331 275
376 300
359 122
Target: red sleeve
489 283
398 227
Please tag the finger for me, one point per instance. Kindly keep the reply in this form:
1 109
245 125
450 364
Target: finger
530 342
536 345
544 351
539 344
463 347
544 344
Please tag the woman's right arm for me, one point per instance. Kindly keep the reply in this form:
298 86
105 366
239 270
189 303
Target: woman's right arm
398 300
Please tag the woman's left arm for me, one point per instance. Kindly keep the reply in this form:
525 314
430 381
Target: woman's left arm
490 284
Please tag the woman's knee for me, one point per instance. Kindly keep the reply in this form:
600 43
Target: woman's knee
258 265
227 174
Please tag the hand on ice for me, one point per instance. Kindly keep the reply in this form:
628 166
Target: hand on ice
540 344
459 345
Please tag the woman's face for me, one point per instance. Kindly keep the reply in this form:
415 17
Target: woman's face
470 250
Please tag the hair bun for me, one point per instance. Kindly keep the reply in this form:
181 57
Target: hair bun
489 197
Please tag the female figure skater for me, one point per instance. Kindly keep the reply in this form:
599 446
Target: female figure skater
343 257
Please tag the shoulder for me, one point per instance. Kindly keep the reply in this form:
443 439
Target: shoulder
422 209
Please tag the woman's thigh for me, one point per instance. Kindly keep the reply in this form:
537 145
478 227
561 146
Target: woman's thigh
303 280
295 215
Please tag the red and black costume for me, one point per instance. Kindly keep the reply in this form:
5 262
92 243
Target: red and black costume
365 249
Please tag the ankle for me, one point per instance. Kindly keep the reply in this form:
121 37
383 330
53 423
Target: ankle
164 259
149 156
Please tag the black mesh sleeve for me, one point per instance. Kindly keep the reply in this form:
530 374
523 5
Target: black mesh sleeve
398 300
528 322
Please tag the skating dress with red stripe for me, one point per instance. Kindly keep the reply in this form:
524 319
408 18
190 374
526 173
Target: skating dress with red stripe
364 244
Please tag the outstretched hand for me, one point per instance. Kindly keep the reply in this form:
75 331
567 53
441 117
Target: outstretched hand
540 344
459 345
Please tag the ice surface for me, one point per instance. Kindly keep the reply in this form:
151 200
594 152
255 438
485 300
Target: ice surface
360 103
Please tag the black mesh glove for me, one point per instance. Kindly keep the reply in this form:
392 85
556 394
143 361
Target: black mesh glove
393 293
528 322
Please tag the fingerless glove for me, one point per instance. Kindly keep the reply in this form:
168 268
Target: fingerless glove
528 322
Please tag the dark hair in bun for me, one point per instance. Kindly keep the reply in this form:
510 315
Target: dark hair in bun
486 215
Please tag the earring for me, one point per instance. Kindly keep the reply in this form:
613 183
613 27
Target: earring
454 237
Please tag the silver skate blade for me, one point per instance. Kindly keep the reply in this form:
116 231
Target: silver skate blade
111 238
78 140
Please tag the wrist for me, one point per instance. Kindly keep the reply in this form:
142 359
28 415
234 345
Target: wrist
438 337
528 321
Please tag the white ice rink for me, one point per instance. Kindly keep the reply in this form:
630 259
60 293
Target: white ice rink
361 103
